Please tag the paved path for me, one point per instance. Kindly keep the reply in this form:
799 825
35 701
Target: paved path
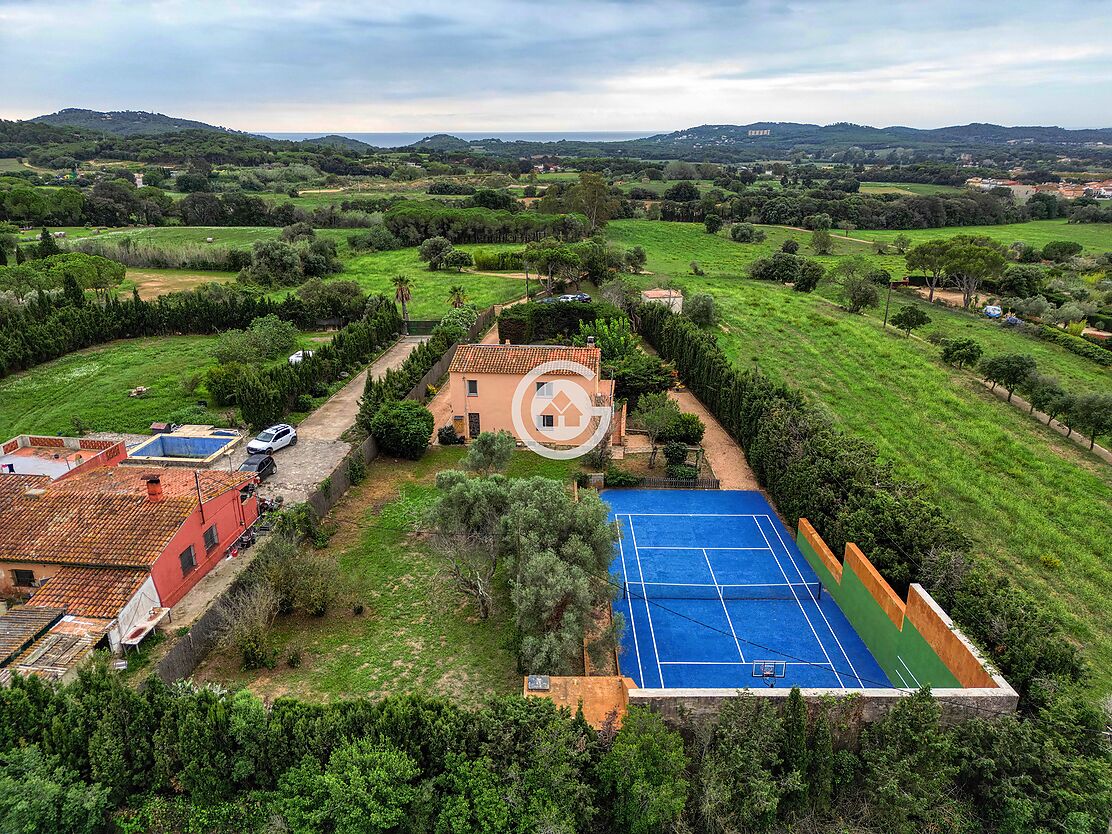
337 415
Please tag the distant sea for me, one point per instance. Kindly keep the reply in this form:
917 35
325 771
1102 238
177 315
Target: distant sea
397 140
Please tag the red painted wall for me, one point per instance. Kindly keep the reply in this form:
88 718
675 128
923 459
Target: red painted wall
231 519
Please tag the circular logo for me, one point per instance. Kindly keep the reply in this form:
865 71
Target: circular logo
558 410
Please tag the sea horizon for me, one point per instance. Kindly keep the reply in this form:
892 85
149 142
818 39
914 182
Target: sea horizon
398 139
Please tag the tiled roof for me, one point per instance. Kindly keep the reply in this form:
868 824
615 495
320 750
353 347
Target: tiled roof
21 626
14 486
104 516
520 359
90 592
658 293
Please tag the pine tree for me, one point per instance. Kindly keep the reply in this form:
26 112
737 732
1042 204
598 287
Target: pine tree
72 292
795 754
47 245
3 257
20 256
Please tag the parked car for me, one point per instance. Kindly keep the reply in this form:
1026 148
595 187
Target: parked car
262 465
576 296
272 439
295 358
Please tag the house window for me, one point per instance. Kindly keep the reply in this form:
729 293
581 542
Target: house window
188 560
23 578
548 421
544 389
472 387
211 538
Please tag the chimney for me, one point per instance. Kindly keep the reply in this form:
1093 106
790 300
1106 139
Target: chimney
507 341
154 488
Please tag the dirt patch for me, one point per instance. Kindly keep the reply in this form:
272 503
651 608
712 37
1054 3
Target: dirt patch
722 453
152 284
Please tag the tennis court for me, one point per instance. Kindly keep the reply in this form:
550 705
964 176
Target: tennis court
715 594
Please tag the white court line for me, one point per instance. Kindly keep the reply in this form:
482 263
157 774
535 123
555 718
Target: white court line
677 547
822 613
803 610
736 663
629 599
695 515
737 642
652 631
908 668
728 584
902 678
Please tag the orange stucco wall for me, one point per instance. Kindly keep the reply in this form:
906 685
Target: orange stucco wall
938 630
870 577
231 519
495 396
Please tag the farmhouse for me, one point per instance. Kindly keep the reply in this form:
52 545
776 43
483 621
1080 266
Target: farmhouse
672 299
111 549
557 407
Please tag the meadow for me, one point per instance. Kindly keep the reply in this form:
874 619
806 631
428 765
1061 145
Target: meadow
905 188
1034 503
374 273
92 386
152 283
1095 237
417 632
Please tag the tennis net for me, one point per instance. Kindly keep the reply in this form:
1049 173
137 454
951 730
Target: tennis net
668 590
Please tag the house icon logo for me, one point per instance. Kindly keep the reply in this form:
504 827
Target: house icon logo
559 411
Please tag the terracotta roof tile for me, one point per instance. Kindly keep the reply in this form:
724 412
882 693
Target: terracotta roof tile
90 592
104 517
520 359
21 626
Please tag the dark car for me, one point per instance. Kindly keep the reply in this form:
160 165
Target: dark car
261 465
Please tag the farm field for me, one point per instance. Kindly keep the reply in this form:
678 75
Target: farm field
93 385
417 633
1095 237
374 272
152 283
908 188
1035 503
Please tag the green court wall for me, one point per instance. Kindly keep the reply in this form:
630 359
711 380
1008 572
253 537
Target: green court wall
888 643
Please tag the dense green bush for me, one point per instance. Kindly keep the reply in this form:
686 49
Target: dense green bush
618 477
402 428
1075 344
687 428
681 472
675 452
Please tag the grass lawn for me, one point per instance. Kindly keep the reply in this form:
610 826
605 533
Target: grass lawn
374 272
1035 503
908 188
93 385
1095 237
418 633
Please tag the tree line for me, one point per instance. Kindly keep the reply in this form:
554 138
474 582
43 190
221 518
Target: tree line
415 221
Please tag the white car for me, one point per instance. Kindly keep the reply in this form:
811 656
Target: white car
295 358
272 439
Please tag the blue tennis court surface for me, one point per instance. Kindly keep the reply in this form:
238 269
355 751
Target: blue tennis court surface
717 595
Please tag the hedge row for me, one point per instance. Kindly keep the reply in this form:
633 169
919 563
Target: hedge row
267 396
812 469
1075 344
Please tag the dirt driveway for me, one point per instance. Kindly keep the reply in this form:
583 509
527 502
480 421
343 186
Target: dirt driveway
722 452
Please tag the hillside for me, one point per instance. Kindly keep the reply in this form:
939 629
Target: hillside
125 122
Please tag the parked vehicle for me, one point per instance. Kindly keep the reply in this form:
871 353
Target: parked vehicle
272 439
576 296
295 358
262 465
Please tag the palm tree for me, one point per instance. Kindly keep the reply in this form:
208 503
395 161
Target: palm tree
457 296
403 294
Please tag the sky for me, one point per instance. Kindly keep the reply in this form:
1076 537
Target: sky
475 65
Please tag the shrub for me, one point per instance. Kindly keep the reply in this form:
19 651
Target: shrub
781 267
687 429
1060 251
617 477
712 223
374 239
681 472
746 233
245 620
961 352
701 310
675 452
402 428
448 436
489 452
790 246
357 467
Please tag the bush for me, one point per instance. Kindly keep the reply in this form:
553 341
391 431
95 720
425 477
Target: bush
701 310
675 452
781 267
617 477
746 233
681 472
448 436
463 318
687 429
1060 251
357 467
790 246
402 428
1075 344
374 239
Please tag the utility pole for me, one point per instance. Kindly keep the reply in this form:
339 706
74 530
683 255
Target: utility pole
887 299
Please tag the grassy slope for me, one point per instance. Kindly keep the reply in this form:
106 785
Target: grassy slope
1095 237
908 188
418 633
1034 502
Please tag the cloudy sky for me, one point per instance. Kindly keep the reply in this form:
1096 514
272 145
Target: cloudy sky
474 65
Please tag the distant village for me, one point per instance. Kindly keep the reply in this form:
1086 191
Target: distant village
1101 190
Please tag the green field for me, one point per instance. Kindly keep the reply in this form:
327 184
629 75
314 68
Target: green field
922 189
1095 237
93 385
418 633
374 272
152 283
1035 503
